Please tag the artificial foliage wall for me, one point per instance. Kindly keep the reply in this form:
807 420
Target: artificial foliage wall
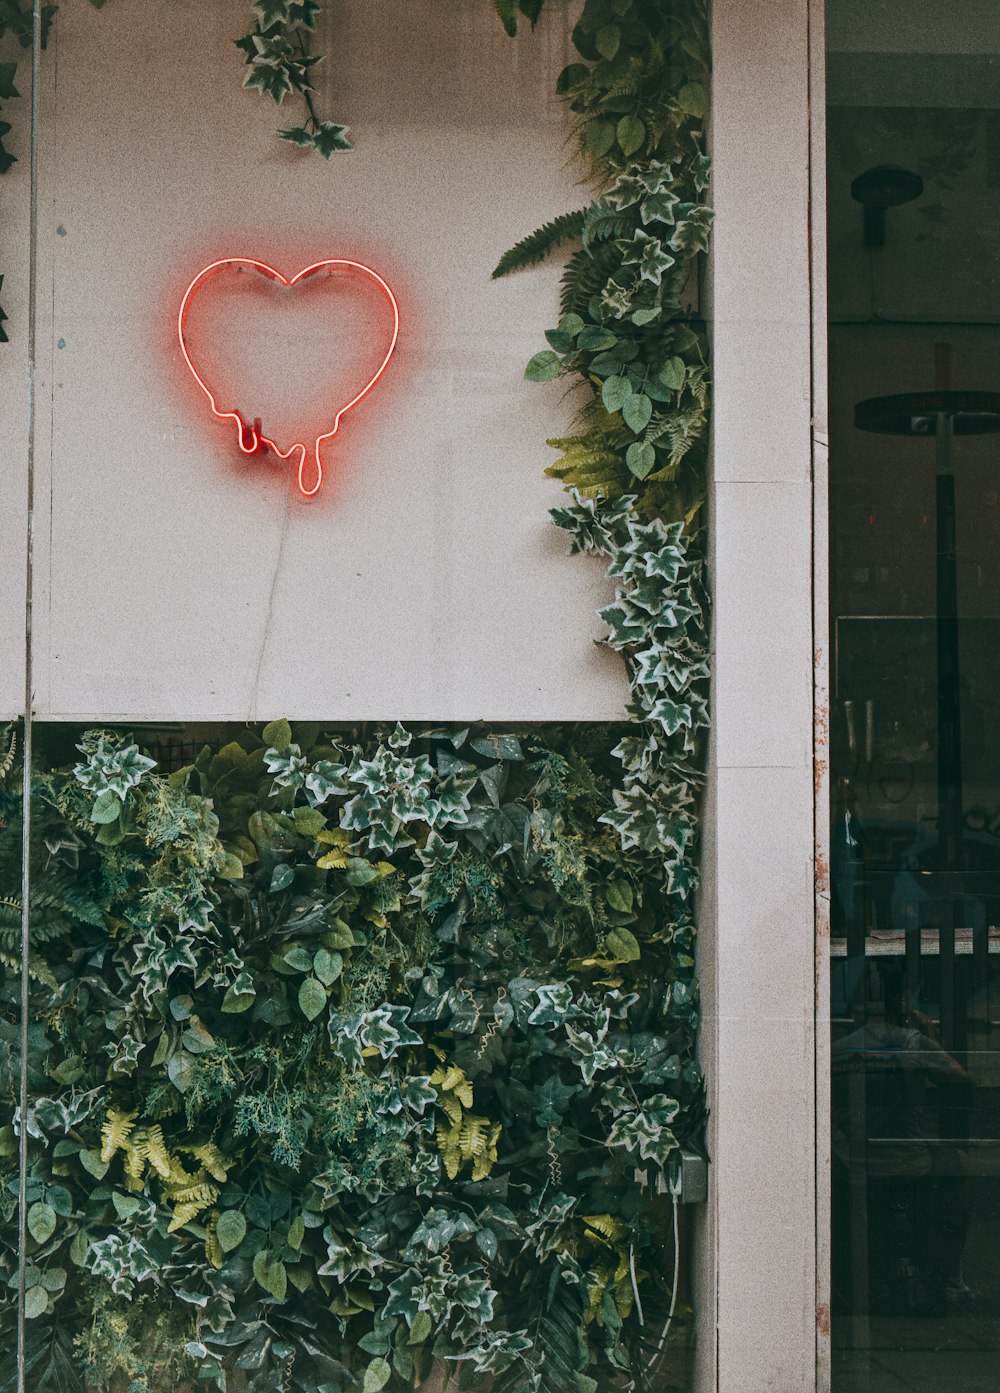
353 1057
362 1058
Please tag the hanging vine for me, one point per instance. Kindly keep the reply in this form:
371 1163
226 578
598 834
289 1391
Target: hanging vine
635 468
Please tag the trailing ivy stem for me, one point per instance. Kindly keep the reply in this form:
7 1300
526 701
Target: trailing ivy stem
307 91
635 1284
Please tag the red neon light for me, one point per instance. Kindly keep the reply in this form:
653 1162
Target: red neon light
251 439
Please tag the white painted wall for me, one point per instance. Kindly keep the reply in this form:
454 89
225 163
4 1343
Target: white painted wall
14 244
174 580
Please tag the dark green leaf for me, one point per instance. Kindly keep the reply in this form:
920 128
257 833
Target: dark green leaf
631 133
312 998
636 411
543 366
330 137
230 1230
640 458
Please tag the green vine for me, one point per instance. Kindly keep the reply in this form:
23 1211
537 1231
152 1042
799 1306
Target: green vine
278 53
625 335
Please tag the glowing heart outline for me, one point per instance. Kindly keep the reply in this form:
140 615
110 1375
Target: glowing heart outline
251 440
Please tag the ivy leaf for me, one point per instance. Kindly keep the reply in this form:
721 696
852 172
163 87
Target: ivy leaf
272 12
230 1230
312 998
543 367
270 77
7 88
658 207
650 255
304 12
329 137
297 135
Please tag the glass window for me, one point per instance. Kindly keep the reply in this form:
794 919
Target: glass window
914 334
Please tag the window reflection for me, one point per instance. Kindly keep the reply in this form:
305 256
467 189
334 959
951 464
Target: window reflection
914 289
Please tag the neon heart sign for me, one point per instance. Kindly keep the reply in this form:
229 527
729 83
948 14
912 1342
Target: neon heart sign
251 438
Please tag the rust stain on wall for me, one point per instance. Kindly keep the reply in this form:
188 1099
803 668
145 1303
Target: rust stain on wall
822 873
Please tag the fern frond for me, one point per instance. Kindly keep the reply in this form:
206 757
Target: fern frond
184 1210
606 1227
593 463
38 970
115 1133
211 1158
602 223
157 1154
586 274
540 243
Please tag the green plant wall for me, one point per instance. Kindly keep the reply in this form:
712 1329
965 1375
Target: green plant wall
361 1055
347 1056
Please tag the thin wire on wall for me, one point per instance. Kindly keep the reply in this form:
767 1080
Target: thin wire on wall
22 1189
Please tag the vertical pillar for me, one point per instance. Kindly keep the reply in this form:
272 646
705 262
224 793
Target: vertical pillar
758 1258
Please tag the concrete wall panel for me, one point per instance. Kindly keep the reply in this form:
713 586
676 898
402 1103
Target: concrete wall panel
425 580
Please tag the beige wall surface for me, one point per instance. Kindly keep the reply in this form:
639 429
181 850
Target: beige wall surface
14 422
175 579
758 1260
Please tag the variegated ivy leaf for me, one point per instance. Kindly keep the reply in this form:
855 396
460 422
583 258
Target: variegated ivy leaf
555 1004
324 780
495 1350
646 1132
288 766
616 299
110 767
658 207
650 255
